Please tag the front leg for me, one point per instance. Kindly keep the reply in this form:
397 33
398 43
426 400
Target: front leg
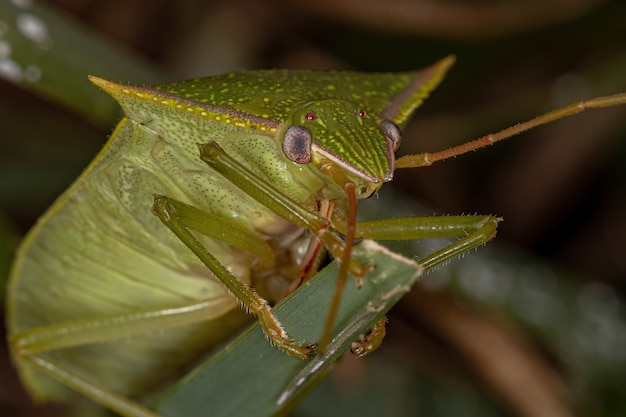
471 231
164 209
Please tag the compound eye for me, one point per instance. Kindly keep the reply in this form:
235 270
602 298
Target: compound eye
392 132
297 144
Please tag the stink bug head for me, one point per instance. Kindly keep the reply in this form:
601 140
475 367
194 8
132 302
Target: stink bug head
358 132
342 133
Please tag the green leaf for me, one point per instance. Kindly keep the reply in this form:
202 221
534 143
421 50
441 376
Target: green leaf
52 55
251 377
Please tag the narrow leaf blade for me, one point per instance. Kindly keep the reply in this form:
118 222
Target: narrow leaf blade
251 377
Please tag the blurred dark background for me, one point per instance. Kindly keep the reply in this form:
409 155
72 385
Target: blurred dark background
532 325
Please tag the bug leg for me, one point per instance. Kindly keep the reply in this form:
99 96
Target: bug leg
281 204
284 206
37 346
370 341
63 373
254 303
346 256
219 227
114 326
472 231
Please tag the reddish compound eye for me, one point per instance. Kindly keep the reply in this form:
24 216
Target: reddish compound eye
362 113
310 116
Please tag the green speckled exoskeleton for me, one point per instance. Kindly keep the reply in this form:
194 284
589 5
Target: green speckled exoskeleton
213 193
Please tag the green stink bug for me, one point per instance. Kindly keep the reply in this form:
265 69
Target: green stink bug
251 177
